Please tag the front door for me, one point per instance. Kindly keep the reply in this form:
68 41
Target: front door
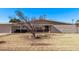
47 28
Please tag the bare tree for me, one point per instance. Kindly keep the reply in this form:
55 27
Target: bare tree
43 17
25 21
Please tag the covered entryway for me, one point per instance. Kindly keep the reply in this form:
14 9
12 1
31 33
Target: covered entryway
47 28
43 28
19 29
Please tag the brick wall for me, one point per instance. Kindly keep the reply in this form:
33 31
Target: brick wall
64 28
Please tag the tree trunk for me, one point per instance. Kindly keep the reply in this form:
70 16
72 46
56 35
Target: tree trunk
34 34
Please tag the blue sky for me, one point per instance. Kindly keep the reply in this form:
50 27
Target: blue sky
56 14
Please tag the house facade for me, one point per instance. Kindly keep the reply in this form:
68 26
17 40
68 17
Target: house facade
40 26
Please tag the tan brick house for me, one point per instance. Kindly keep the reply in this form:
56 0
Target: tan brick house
41 26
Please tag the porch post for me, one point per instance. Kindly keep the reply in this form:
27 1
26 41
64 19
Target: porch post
20 29
49 29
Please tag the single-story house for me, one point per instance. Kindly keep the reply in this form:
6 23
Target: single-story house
5 28
41 26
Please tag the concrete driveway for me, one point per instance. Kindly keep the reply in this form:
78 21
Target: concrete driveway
1 34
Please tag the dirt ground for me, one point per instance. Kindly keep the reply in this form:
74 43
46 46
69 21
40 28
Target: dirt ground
49 42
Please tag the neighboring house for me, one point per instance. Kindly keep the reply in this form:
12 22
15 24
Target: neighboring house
5 28
40 26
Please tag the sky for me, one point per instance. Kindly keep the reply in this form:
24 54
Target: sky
56 14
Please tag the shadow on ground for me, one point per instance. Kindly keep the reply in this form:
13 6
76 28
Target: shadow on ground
40 44
1 42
